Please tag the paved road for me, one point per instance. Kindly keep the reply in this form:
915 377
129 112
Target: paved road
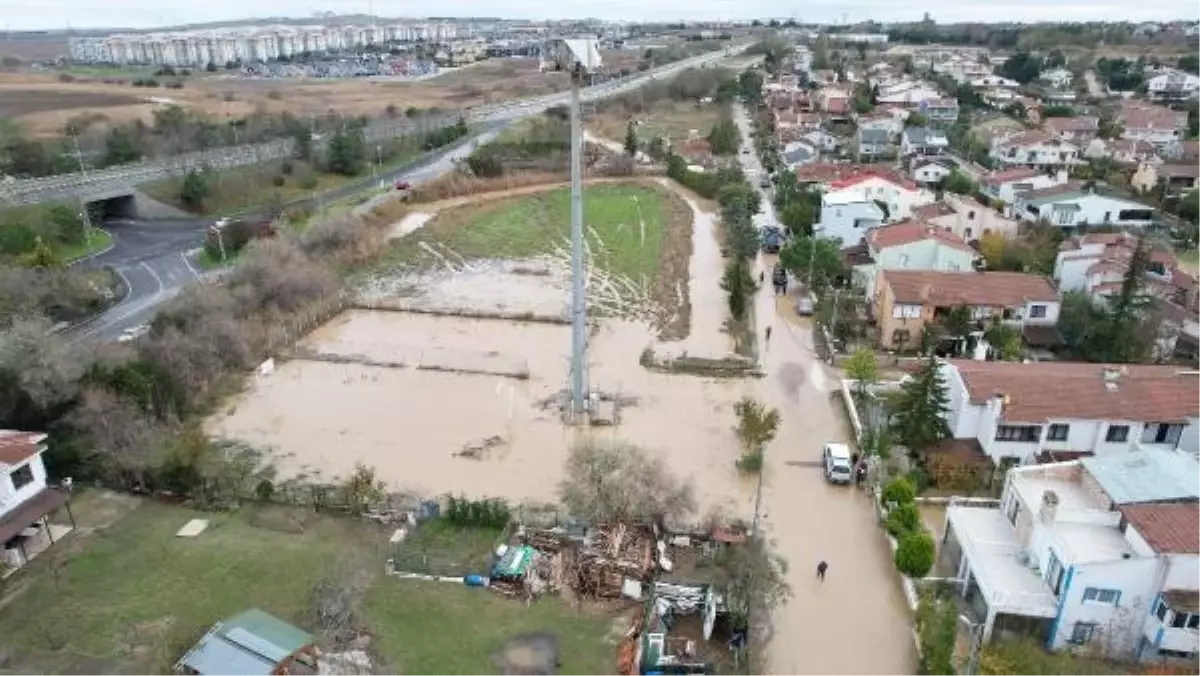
856 621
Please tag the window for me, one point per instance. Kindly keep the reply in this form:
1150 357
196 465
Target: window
970 215
1014 508
1162 433
1117 434
1037 311
967 232
1054 573
1058 432
897 312
1020 433
1082 632
1161 610
1108 597
1108 217
22 476
1185 620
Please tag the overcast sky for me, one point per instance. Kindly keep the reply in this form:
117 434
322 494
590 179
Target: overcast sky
38 14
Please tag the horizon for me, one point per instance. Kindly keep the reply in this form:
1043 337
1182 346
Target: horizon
89 15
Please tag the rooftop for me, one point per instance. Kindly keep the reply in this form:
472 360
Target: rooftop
910 231
1009 175
998 562
252 642
1167 528
1072 124
1041 391
16 447
873 174
1148 475
976 289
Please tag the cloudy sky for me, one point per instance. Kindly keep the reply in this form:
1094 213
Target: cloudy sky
37 14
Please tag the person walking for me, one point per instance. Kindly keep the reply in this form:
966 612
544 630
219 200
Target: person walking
821 568
762 277
767 342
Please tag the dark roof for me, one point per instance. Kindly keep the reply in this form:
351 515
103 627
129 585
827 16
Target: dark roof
1041 335
23 515
1169 528
875 137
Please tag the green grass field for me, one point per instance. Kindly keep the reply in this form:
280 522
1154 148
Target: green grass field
626 226
131 597
97 240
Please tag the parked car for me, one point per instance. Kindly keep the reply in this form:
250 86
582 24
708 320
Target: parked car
772 240
805 305
765 183
403 185
836 461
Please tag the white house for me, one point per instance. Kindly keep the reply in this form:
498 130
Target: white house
26 501
899 196
923 141
1007 184
1070 206
847 217
930 171
1060 78
1098 554
822 141
1034 149
1173 85
912 245
988 81
1158 125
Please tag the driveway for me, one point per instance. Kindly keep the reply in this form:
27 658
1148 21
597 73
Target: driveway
856 621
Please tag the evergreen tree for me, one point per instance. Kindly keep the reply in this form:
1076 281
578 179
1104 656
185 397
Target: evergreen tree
194 190
631 141
921 408
347 152
121 147
1123 340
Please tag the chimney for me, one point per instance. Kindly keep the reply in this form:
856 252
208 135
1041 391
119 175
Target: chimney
1049 507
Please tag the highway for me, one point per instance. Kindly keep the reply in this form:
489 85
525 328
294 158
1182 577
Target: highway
157 259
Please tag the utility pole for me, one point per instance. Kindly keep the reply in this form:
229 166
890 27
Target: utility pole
83 208
578 299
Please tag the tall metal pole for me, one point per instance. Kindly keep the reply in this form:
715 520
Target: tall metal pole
578 301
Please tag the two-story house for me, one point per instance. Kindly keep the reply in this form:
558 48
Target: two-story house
1059 78
1005 185
930 171
1098 554
966 218
1173 85
1034 149
907 301
873 143
822 140
1080 130
912 245
847 217
1158 125
923 141
1168 179
25 501
940 111
1071 205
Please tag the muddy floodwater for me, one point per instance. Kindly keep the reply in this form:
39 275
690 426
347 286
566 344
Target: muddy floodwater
452 385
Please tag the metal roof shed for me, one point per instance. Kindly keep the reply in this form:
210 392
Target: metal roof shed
252 643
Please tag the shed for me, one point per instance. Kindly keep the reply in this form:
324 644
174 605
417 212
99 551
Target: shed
252 643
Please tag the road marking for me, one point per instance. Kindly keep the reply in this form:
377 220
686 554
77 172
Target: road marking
188 263
161 286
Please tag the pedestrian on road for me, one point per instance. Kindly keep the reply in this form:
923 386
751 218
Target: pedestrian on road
821 568
762 277
768 340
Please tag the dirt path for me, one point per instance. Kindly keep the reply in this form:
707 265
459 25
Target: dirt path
857 620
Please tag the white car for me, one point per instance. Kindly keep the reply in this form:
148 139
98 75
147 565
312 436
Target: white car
133 333
837 463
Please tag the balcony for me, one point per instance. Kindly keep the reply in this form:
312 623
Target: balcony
1173 625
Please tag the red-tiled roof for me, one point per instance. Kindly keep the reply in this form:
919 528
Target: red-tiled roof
928 212
909 231
1168 528
17 447
1072 124
1040 391
829 172
1010 175
1025 138
837 104
885 175
948 289
1143 116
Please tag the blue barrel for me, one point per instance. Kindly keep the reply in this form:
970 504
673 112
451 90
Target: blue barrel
475 580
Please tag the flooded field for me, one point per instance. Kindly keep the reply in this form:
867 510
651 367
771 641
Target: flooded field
469 406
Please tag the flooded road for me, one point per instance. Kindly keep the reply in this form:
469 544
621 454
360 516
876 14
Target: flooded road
857 620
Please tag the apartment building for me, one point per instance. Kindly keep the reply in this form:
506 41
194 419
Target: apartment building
907 301
26 502
1099 555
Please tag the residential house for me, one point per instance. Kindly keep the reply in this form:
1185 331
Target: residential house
909 94
835 101
906 301
892 124
1167 179
1158 125
26 501
1007 184
1059 78
1071 206
1122 151
797 154
822 140
940 111
923 141
822 175
1079 130
251 642
873 143
1034 149
912 245
1059 97
1097 554
1181 151
930 171
847 217
898 195
1173 85
992 81
966 218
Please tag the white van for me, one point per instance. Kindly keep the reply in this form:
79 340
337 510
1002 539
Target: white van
837 463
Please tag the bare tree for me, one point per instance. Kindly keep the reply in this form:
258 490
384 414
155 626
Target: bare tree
124 440
44 367
754 585
621 482
278 275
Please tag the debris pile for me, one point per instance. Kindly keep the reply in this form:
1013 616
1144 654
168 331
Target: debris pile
610 555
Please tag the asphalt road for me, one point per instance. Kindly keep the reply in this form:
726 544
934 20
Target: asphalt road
156 259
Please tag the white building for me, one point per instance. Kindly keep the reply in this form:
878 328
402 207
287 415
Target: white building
1060 78
1007 184
1173 85
26 501
1098 554
1034 149
912 245
1071 206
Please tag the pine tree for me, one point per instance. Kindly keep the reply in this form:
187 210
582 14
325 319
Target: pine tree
1122 333
921 409
631 140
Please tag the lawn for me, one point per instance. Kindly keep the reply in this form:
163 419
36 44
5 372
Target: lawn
626 226
438 548
673 119
97 240
443 628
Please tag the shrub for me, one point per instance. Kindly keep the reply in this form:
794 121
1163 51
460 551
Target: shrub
286 168
751 462
308 182
903 519
914 555
278 180
898 491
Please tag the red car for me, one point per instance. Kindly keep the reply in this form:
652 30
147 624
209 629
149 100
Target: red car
403 185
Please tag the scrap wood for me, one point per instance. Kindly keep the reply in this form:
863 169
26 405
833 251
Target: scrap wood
627 657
